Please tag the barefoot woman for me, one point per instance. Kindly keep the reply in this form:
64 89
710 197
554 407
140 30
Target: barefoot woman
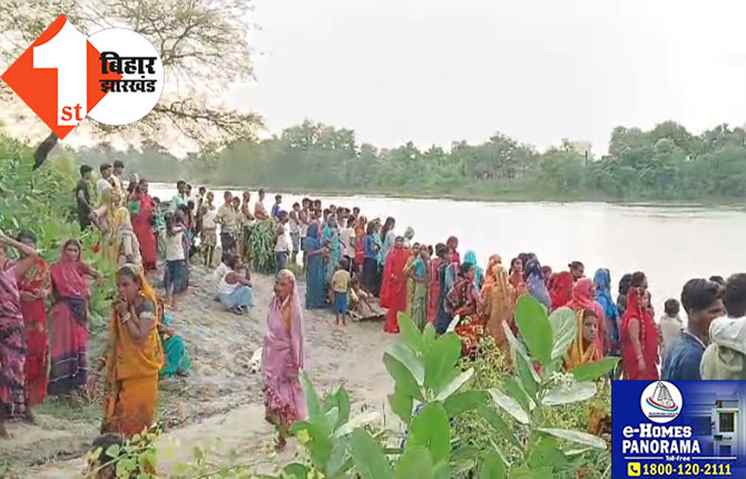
282 358
135 357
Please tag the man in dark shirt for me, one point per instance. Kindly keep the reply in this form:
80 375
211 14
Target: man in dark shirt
702 301
83 197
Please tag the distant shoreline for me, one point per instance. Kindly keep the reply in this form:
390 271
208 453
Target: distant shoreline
487 197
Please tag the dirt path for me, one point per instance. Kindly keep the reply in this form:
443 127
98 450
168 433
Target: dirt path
222 398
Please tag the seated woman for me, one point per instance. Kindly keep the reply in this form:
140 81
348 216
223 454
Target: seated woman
135 357
463 301
178 361
234 290
584 349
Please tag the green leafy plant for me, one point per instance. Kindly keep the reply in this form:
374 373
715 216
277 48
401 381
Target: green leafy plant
538 385
135 457
260 245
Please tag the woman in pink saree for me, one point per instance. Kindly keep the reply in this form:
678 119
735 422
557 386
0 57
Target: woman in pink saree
282 358
69 321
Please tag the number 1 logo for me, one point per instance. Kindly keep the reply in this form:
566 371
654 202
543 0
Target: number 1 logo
58 76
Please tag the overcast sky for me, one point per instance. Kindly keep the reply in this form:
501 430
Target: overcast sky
433 71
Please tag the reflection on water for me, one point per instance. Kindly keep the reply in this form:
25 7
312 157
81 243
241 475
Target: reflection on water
670 243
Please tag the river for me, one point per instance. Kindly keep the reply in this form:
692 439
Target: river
670 243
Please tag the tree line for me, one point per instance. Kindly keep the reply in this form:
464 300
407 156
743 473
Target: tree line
664 163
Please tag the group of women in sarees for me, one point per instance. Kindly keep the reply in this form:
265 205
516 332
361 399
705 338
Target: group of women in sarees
484 301
135 354
35 362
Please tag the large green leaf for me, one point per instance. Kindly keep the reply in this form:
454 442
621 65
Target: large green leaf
525 472
442 470
313 402
409 333
401 403
407 357
518 349
368 456
594 370
295 471
509 405
515 390
441 360
357 421
431 430
545 453
576 436
428 338
535 329
492 467
319 445
454 385
402 376
459 403
331 418
338 460
341 400
415 462
527 375
564 331
569 394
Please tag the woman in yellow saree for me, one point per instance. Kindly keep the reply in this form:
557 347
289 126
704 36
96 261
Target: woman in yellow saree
583 350
499 302
135 356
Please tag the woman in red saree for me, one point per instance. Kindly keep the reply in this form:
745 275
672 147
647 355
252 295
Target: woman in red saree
433 288
12 347
463 300
394 290
34 288
142 223
69 345
560 289
639 335
583 297
517 279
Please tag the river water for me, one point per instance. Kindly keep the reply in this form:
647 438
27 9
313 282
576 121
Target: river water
670 243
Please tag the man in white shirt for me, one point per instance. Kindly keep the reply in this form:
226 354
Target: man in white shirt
282 246
117 181
725 357
670 324
347 238
103 184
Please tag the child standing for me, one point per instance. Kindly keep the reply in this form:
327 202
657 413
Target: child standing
341 286
176 267
295 229
208 214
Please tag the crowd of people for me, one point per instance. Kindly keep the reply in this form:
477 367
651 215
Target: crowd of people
347 260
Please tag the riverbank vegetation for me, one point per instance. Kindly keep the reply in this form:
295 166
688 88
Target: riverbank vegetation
666 163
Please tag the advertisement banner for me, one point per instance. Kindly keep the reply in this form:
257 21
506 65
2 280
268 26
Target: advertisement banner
684 429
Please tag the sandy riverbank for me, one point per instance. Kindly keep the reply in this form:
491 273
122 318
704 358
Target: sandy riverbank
222 398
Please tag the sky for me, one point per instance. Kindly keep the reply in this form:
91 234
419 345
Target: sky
434 71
